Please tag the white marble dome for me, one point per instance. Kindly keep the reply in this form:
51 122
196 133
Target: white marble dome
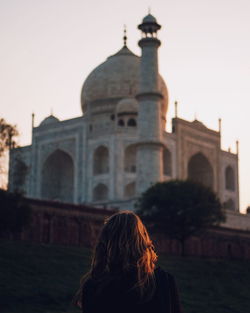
115 79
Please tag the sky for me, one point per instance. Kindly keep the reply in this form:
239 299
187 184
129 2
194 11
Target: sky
49 47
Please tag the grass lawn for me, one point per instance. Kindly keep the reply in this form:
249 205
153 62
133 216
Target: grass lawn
43 278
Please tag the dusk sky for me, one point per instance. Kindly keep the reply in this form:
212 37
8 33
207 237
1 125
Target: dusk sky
49 47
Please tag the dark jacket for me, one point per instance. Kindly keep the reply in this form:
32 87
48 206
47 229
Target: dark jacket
115 296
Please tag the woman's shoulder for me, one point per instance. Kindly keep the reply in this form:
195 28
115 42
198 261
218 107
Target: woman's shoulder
106 283
160 271
167 289
163 276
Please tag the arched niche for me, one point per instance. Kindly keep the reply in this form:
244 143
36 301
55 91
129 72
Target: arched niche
58 177
130 159
20 173
129 191
131 122
101 160
100 192
229 178
200 170
167 162
229 205
121 122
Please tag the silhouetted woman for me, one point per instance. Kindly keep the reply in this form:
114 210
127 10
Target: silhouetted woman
123 276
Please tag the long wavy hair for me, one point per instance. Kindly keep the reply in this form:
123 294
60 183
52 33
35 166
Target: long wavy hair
123 246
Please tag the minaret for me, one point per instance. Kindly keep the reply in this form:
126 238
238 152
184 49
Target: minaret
149 149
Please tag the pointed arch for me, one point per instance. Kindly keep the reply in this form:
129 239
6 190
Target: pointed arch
58 177
167 162
100 192
229 205
20 175
130 159
200 170
229 178
131 122
101 160
129 191
121 122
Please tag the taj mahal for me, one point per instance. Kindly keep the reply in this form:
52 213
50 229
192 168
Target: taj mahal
119 146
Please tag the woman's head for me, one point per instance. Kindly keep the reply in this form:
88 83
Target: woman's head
124 243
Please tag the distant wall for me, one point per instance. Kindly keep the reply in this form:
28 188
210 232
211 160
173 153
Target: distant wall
215 243
69 224
236 220
62 223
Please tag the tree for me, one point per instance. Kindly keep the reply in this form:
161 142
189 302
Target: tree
8 135
15 214
180 209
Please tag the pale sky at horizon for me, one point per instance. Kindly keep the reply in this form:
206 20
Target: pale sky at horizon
49 47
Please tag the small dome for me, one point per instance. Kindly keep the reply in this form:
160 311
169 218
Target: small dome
127 105
49 120
149 19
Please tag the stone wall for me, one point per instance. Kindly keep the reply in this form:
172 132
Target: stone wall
79 225
62 223
216 243
237 220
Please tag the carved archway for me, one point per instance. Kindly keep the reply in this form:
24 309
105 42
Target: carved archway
167 162
132 122
129 191
19 178
130 159
229 178
101 160
100 193
58 177
200 170
229 205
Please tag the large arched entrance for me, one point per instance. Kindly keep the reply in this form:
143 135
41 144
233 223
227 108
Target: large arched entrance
58 177
200 170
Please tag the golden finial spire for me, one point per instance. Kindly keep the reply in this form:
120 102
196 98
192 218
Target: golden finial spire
33 119
219 125
176 108
125 35
237 147
149 10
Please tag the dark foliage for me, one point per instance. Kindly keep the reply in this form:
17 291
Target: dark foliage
14 213
8 134
180 209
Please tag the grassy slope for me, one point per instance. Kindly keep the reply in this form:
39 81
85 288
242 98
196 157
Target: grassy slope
43 278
